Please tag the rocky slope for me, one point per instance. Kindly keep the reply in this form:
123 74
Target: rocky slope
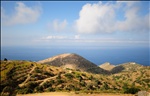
73 61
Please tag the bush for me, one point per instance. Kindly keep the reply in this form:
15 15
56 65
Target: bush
39 89
38 70
82 83
48 73
50 89
25 91
69 75
59 76
7 89
97 82
31 85
70 87
47 84
91 77
90 87
79 78
105 86
131 90
59 81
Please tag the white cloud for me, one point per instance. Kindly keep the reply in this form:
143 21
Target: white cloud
22 14
50 37
95 18
77 37
102 18
59 26
133 22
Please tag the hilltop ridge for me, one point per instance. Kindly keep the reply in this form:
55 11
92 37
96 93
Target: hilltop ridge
73 61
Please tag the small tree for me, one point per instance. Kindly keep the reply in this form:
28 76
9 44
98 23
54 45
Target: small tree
5 59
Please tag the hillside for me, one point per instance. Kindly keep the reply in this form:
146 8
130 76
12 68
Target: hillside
129 66
22 77
73 61
107 66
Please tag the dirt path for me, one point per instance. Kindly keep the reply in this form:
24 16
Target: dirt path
45 80
28 77
72 94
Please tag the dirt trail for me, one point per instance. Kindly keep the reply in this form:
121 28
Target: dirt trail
28 77
45 80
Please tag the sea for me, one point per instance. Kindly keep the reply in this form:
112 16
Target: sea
96 55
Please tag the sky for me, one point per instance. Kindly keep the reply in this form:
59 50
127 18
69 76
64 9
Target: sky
75 24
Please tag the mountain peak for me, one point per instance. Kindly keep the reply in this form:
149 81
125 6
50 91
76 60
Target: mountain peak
73 61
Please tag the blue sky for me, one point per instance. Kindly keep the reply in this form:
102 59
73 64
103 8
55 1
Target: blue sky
76 24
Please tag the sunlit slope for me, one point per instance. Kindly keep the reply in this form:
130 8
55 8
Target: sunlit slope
22 77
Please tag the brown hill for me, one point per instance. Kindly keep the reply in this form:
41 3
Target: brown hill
73 61
107 66
129 66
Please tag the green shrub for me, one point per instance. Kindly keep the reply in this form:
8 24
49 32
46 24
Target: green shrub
25 91
50 89
7 89
97 82
59 81
105 86
70 87
48 73
47 84
79 77
39 89
91 77
82 83
31 85
59 76
131 90
37 70
89 87
69 75
52 82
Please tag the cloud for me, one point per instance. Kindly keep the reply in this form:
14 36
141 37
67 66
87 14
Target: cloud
22 15
102 18
133 22
95 18
82 40
50 37
59 26
77 37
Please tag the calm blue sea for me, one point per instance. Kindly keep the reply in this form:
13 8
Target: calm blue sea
97 56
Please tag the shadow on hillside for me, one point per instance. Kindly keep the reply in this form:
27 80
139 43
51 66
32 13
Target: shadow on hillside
98 70
117 69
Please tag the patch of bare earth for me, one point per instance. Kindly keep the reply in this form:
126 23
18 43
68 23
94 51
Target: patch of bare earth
72 94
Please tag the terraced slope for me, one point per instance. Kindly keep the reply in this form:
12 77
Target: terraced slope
22 77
